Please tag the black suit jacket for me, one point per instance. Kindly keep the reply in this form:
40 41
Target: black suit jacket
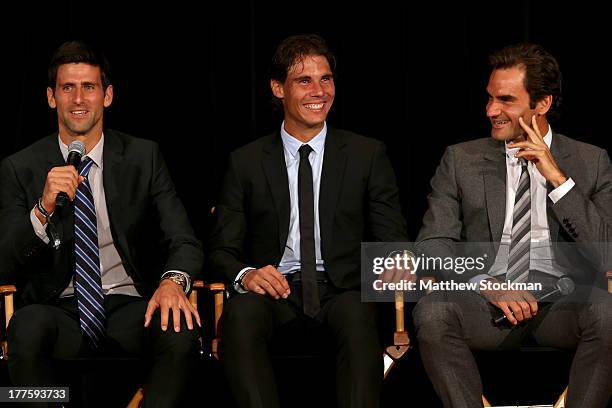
468 204
149 225
358 201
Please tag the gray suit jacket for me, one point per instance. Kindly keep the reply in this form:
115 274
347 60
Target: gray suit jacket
468 200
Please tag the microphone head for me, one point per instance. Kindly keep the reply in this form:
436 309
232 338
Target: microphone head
565 285
77 147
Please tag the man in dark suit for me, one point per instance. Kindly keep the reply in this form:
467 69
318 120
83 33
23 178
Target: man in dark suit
544 217
92 274
294 208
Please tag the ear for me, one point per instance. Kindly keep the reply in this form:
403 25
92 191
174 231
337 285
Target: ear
108 96
543 105
277 89
51 98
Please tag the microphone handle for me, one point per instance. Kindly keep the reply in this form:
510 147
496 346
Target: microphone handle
61 200
503 317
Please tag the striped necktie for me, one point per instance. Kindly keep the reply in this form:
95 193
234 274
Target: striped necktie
88 281
520 240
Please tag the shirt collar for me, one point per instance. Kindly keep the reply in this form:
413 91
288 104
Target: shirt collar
547 139
292 144
95 154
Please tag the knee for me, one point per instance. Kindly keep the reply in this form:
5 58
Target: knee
354 324
599 323
30 329
433 317
246 313
179 344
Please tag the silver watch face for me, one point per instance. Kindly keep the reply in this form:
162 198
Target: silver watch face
178 278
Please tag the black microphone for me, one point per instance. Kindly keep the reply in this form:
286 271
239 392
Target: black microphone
75 151
564 286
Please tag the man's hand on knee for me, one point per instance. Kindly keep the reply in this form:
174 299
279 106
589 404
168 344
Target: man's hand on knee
169 296
267 280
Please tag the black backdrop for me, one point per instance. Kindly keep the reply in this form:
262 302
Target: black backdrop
193 77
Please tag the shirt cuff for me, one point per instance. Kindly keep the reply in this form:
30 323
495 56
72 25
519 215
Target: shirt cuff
237 286
39 229
185 274
477 279
562 190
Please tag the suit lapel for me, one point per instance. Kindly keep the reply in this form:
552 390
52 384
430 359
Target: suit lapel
494 173
275 170
334 162
114 168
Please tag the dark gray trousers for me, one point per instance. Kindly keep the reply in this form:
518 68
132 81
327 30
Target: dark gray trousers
450 324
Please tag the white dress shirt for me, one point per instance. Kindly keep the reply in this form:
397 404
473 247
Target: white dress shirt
290 262
540 254
115 279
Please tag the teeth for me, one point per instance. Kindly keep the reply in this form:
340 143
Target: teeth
314 106
79 113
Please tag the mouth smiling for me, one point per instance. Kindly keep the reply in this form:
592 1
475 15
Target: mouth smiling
314 106
499 123
79 113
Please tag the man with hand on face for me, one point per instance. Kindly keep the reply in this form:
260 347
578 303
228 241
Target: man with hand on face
90 295
529 192
294 209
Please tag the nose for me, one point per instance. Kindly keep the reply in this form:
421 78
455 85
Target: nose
317 89
492 109
77 95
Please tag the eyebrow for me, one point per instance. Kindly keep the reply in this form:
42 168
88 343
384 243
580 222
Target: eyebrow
505 97
75 82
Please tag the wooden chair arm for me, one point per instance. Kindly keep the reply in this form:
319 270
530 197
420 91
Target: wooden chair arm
218 291
7 292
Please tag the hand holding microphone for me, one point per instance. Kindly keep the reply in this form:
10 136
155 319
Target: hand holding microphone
564 286
62 182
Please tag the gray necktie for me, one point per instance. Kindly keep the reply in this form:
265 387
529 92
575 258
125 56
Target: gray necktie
520 240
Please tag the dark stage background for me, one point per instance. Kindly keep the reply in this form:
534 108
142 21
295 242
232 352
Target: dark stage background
193 77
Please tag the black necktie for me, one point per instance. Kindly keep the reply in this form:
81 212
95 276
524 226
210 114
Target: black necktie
310 291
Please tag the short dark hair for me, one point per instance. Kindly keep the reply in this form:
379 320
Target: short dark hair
542 73
78 52
293 49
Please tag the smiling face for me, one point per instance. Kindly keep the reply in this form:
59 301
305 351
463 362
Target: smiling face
80 101
509 100
307 96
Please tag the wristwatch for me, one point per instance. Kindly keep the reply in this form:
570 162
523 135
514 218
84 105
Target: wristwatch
179 279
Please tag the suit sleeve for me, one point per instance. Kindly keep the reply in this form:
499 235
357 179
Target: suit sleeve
442 223
226 242
184 249
587 215
18 241
386 221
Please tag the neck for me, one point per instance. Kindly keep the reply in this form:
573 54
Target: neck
303 134
89 140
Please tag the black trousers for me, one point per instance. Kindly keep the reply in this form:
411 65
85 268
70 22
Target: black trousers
250 320
450 324
39 334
